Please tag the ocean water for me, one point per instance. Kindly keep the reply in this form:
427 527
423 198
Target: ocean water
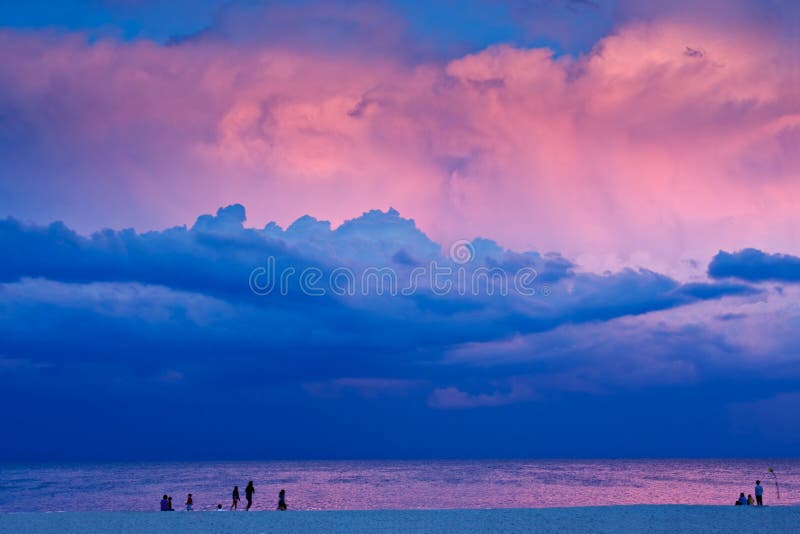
366 485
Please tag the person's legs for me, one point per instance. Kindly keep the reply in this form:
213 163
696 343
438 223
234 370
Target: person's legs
249 503
759 500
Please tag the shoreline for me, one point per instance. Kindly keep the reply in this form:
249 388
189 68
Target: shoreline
618 518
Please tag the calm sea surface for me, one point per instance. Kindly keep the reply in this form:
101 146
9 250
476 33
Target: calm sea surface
353 485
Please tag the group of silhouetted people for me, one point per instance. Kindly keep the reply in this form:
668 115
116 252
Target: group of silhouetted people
749 501
248 493
166 504
166 501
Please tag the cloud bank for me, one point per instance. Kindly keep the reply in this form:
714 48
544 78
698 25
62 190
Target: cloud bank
167 320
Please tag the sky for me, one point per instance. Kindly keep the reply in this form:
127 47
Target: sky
241 229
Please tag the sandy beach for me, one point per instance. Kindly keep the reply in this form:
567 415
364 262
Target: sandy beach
640 518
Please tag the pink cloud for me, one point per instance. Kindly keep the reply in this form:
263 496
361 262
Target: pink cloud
454 398
636 149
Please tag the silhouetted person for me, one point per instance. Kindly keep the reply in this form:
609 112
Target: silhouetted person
742 500
248 493
750 500
759 493
282 500
235 503
169 504
219 508
189 503
164 504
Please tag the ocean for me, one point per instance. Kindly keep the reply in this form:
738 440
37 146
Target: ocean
371 485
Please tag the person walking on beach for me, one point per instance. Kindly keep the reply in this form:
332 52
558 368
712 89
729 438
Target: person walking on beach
248 493
235 503
189 503
164 504
282 500
759 493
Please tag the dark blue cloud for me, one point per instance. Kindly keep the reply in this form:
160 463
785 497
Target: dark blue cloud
754 265
127 326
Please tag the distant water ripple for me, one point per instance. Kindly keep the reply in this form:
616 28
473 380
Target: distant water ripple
358 485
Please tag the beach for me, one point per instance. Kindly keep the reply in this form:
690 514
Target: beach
636 518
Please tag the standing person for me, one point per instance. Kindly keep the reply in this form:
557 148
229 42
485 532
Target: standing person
759 493
189 503
164 504
282 500
248 493
169 504
235 503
